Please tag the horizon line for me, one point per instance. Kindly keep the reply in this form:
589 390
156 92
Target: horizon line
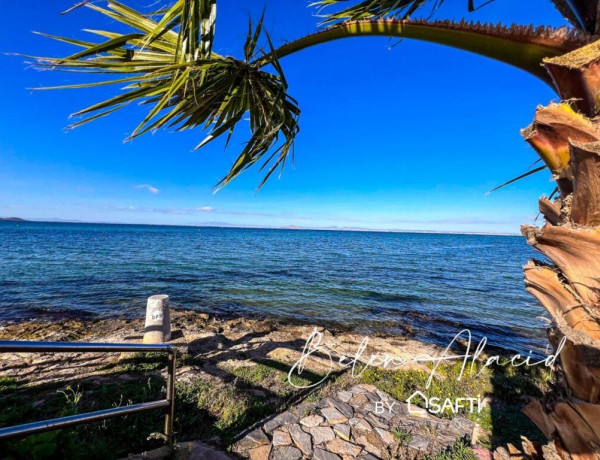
262 227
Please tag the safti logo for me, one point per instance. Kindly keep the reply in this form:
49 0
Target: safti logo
435 405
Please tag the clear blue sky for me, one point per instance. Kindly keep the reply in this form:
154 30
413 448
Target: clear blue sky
407 138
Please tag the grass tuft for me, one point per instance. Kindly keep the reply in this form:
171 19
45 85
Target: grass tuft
460 450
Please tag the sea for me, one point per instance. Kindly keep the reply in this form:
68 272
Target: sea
427 286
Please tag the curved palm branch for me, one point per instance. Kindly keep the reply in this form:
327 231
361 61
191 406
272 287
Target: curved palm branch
524 47
582 14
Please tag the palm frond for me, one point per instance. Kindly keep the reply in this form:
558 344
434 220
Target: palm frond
522 176
583 14
378 9
168 64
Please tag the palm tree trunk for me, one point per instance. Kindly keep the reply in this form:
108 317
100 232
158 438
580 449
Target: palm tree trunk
568 140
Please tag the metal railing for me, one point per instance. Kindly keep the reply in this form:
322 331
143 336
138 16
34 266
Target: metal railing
8 346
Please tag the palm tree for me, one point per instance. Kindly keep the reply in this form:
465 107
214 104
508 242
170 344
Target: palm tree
168 63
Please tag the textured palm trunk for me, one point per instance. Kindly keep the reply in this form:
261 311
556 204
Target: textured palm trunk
567 138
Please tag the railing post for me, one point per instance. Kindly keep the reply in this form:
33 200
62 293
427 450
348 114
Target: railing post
9 346
171 398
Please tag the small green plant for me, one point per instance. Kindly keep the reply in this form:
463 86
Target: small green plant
315 396
460 450
72 399
7 384
206 408
38 446
254 374
298 381
144 362
72 396
402 436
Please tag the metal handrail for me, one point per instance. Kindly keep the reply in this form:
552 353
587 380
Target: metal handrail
7 346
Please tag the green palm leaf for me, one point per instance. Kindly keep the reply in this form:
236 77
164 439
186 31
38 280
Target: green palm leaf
377 9
169 65
516 179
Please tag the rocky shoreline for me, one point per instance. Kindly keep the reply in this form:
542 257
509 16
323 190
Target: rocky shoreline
220 341
236 371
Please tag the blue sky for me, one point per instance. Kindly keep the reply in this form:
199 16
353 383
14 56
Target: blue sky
410 137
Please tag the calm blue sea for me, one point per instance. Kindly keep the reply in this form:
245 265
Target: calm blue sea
433 284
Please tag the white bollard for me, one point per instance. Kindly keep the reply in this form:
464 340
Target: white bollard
158 322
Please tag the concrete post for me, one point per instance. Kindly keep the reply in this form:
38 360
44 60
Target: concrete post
158 321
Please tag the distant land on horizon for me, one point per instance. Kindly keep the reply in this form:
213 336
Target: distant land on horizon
285 227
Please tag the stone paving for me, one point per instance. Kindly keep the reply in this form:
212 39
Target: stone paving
347 426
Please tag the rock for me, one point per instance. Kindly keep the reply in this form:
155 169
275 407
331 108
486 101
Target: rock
444 441
512 450
359 400
253 439
322 434
399 408
358 390
323 403
419 442
320 454
482 453
260 453
38 403
282 419
375 421
387 414
333 415
305 409
383 396
162 453
286 453
367 456
360 423
369 407
344 448
501 454
342 430
311 421
344 396
460 426
386 436
344 408
195 450
281 438
301 439
416 411
370 441
370 388
476 435
373 397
